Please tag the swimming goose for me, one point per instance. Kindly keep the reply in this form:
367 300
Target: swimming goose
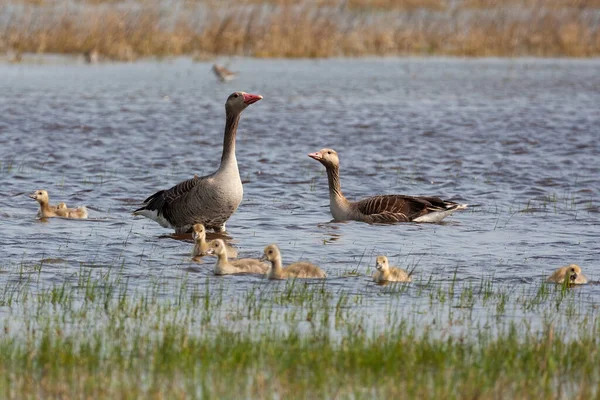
201 246
571 272
60 210
242 266
380 209
300 269
222 73
385 273
210 199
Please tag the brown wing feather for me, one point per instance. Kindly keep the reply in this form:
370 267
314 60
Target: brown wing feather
164 200
393 208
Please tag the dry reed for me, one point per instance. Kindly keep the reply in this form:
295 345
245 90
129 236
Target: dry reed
323 28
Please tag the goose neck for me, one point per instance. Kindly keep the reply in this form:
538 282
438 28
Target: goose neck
231 124
336 197
222 258
202 244
276 268
221 263
45 208
333 176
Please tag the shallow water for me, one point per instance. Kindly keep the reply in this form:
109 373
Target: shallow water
507 135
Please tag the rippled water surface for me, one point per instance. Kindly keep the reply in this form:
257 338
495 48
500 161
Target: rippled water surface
520 138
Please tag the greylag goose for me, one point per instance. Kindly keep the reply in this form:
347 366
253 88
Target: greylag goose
571 272
60 210
300 269
210 199
201 246
380 209
242 266
15 56
385 273
222 73
91 56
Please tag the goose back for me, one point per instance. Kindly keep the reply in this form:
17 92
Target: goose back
303 269
241 266
392 274
198 200
399 208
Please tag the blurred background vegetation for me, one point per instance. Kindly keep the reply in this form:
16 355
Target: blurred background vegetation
128 29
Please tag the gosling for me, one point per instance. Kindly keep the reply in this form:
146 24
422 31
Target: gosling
385 273
49 211
63 211
301 269
571 272
201 246
243 266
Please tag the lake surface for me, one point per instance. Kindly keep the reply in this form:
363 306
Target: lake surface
520 138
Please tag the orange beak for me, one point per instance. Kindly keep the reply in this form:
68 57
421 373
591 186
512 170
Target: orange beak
251 98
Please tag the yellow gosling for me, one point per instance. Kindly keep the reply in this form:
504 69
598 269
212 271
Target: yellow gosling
301 269
60 210
242 266
571 272
385 273
46 210
201 245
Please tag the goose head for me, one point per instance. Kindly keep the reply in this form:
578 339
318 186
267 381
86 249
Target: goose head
573 271
61 206
217 247
327 157
199 232
382 263
238 101
40 195
271 253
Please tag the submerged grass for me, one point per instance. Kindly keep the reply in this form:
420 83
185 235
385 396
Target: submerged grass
197 337
325 28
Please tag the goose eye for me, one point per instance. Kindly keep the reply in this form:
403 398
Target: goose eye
270 251
572 269
236 95
328 152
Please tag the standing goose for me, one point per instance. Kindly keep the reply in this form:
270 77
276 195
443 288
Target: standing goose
201 246
385 273
380 209
242 266
300 269
210 199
